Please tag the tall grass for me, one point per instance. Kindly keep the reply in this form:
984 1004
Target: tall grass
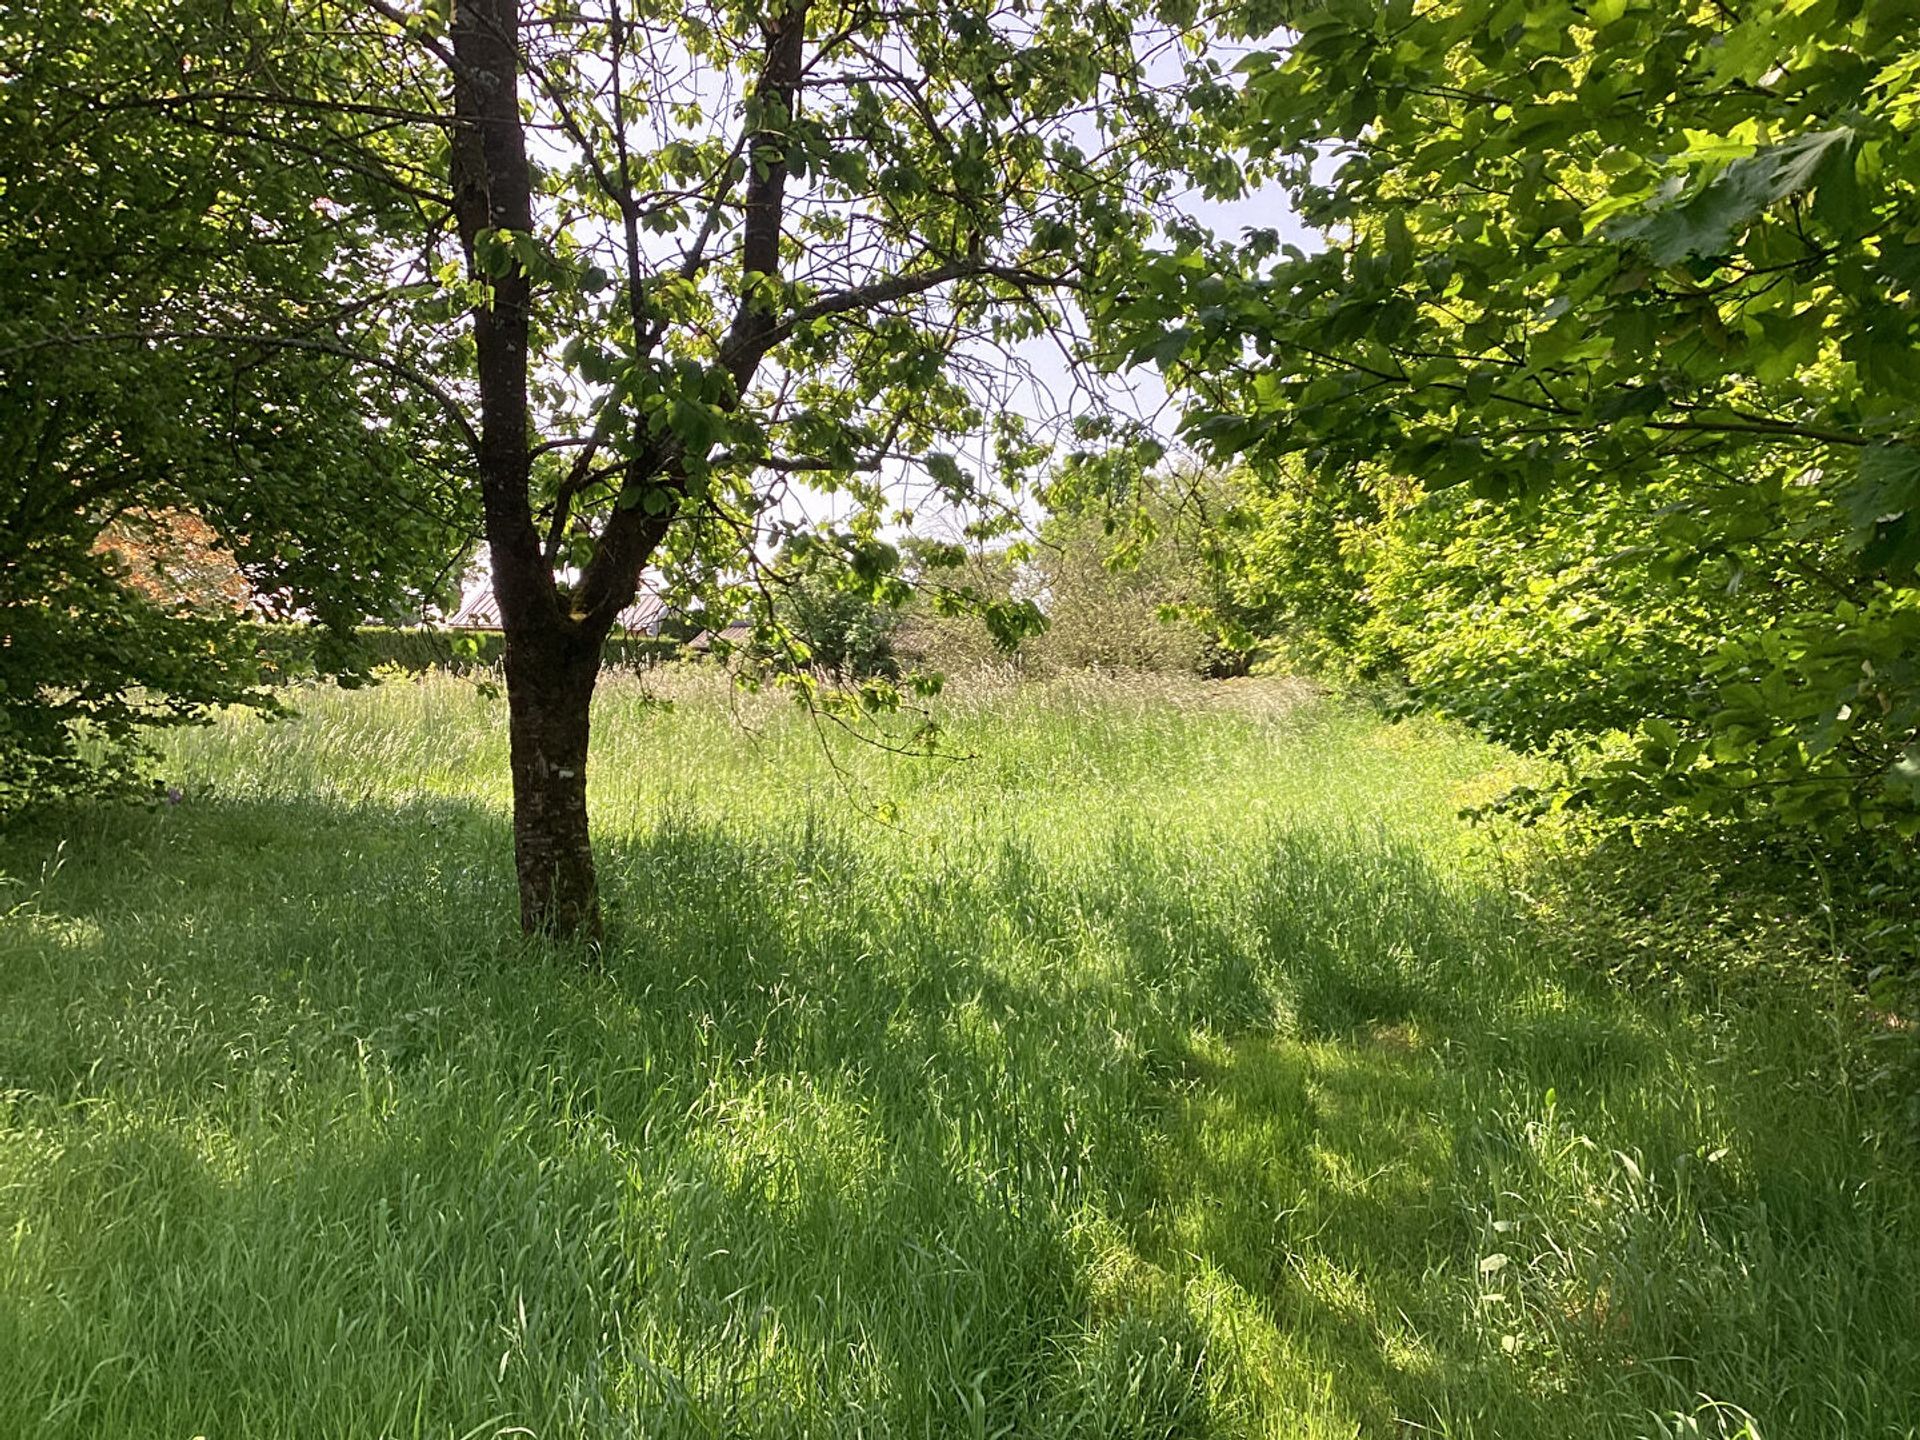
1176 1066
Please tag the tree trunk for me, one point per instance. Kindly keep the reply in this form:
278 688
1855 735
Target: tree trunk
549 691
554 639
552 659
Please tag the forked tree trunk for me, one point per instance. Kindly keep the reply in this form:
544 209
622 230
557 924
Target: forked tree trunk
552 658
554 639
549 694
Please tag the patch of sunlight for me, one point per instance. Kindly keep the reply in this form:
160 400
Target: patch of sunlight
1484 788
1119 1279
55 931
794 1142
1299 1183
1338 1288
1307 1381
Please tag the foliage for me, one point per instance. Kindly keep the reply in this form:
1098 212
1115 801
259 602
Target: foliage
1120 585
937 637
1288 586
173 557
74 697
416 650
1610 248
1177 1067
165 350
1702 656
713 271
1675 685
1129 576
832 623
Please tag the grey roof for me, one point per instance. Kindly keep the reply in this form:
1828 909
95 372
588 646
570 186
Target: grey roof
735 632
480 610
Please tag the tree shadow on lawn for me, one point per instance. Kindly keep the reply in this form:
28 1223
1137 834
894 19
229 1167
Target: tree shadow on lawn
294 1122
1115 1148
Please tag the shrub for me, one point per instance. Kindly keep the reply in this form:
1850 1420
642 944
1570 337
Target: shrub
286 652
1123 586
1701 649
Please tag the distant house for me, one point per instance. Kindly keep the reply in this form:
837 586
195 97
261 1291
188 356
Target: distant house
649 617
480 610
738 633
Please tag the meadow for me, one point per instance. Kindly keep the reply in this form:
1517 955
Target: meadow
1178 1064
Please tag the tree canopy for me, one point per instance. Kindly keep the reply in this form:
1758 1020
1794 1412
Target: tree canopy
168 345
654 270
1577 247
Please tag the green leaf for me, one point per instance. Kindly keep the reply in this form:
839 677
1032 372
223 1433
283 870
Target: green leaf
1883 502
1706 220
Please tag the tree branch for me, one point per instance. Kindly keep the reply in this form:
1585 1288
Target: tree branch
775 96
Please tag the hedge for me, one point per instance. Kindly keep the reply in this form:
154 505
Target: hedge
291 652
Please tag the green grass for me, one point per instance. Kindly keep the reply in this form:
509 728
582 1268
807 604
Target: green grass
1181 1066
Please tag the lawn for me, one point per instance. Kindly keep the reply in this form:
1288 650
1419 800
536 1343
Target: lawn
1179 1065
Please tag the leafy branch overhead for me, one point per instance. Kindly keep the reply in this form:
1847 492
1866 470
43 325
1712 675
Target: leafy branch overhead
1564 241
1654 265
809 240
195 343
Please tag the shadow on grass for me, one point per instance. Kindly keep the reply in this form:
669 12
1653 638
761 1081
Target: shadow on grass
1318 1140
297 1124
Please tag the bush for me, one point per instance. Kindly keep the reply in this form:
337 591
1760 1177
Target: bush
847 633
1111 597
288 652
949 640
1122 586
1699 651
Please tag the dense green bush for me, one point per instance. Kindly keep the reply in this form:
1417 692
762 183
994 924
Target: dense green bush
286 652
1630 294
1112 587
1690 659
835 629
75 698
952 639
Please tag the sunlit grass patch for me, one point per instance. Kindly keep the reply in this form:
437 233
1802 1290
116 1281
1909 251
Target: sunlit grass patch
1180 1066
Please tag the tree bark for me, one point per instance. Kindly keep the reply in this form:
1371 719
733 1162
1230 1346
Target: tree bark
552 658
550 681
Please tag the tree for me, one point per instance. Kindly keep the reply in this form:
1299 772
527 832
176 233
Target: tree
1606 244
166 348
1561 621
702 255
1130 571
827 614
